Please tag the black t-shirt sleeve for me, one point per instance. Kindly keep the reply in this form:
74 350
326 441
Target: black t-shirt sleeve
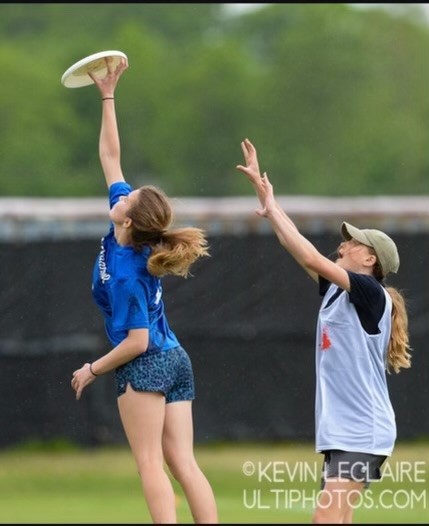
323 285
367 295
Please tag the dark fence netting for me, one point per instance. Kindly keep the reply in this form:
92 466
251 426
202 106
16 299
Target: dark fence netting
247 318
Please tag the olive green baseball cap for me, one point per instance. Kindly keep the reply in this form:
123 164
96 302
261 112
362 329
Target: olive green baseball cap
384 247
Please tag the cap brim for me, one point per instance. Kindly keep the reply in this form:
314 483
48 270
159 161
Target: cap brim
345 232
349 231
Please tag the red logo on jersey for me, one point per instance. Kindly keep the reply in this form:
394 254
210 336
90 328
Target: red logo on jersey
326 342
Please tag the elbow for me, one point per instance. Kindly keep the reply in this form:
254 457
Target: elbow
137 342
138 346
139 349
108 156
311 262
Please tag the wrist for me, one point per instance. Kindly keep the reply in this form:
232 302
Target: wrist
92 371
272 210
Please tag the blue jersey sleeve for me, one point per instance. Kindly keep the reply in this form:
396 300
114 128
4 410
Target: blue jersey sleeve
130 300
116 190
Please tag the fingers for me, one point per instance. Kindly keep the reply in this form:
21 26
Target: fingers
249 145
248 172
243 149
123 64
108 61
75 383
245 170
247 148
76 387
112 73
266 181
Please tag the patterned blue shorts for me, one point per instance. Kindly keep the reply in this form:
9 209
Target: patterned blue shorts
168 372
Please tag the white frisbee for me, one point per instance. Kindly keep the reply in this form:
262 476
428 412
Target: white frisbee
77 74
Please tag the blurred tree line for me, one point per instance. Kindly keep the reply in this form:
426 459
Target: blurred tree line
335 98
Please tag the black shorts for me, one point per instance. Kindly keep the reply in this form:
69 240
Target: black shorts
359 467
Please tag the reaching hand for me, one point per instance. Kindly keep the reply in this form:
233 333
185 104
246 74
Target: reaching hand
269 202
107 85
251 170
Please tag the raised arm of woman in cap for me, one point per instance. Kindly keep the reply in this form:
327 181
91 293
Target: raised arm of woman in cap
300 248
109 142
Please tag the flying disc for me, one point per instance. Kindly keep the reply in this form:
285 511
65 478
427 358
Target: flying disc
77 74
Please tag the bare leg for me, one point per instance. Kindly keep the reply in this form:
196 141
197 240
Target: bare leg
336 501
178 452
348 516
142 416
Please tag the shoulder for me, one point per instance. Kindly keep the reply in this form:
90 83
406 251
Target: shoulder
364 281
366 290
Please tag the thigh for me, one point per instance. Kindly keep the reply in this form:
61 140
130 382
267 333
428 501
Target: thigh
142 415
178 433
338 497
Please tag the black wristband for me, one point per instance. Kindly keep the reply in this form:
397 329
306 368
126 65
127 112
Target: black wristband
108 98
90 368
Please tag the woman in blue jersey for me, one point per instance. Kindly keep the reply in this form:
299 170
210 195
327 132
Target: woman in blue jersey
154 377
362 332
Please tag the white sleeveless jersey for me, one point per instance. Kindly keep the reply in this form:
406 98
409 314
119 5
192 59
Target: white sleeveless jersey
353 409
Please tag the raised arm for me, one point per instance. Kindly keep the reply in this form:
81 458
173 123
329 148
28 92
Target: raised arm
109 143
300 248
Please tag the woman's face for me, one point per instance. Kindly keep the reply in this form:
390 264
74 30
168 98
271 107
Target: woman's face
119 213
354 256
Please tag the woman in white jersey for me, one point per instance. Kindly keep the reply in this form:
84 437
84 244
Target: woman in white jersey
362 332
153 372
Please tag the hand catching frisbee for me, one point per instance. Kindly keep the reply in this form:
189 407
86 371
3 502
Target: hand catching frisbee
77 75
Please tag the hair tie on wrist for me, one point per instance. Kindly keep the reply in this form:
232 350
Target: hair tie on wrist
90 368
108 98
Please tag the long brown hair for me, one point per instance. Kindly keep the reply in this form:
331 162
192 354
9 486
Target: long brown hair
398 355
173 250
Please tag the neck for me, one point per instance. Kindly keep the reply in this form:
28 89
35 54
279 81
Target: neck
122 236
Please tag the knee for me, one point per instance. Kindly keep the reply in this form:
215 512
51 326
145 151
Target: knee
182 469
149 465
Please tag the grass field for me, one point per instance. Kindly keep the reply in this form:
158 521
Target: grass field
260 483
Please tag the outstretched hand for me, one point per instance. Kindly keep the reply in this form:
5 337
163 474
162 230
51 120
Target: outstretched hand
263 187
107 84
251 170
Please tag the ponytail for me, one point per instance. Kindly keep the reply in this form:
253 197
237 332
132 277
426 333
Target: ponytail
177 250
397 354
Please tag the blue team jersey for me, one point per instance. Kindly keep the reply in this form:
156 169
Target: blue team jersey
128 296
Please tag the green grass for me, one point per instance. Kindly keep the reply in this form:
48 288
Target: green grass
67 485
